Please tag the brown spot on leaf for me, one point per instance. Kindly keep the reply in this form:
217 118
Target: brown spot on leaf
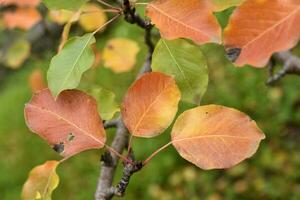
59 148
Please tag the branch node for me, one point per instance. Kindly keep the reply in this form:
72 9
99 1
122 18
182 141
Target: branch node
291 65
107 159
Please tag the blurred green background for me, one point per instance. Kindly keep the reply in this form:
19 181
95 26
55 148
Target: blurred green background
272 173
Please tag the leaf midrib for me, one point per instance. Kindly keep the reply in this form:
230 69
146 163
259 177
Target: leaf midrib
179 67
272 27
48 182
68 122
179 22
150 105
74 64
215 136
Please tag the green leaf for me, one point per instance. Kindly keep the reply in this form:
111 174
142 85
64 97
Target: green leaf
67 67
17 53
107 105
64 4
186 63
223 16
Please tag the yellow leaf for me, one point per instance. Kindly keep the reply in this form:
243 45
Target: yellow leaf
17 53
120 54
41 182
61 16
92 17
215 137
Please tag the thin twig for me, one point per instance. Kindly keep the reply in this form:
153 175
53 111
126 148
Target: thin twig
291 65
113 151
108 5
105 190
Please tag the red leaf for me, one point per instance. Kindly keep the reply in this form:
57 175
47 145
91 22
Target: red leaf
191 19
257 29
70 124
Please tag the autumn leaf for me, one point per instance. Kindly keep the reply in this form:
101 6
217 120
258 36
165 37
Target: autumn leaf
98 56
257 29
67 67
119 54
92 17
191 19
22 3
186 63
150 104
220 5
67 5
36 81
60 16
17 53
23 18
41 182
215 136
70 124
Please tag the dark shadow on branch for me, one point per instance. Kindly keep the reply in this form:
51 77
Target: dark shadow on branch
291 65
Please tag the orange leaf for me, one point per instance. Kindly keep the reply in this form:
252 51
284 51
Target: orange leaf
36 81
31 3
215 136
70 124
23 18
41 182
191 19
150 104
98 56
258 28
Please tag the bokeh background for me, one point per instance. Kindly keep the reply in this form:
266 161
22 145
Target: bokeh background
272 173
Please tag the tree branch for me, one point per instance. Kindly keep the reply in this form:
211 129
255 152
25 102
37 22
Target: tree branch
105 190
291 65
109 163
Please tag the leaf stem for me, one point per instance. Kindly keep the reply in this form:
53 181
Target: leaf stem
141 4
125 159
108 22
99 11
108 5
156 152
129 143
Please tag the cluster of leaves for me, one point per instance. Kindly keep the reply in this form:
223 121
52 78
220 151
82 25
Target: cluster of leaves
209 136
23 17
